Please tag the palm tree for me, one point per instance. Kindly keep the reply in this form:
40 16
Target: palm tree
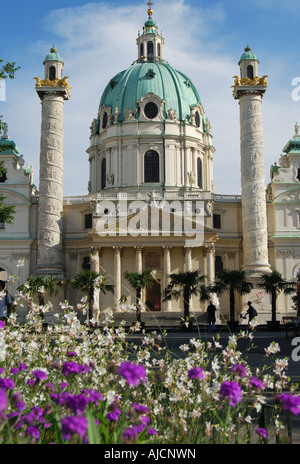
87 281
186 283
40 285
232 281
274 284
138 281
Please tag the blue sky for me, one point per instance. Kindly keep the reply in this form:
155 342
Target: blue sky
203 38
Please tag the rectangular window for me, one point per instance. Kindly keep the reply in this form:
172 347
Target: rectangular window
88 221
217 221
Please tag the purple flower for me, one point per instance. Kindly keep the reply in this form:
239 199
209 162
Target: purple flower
130 434
290 402
71 368
14 370
256 383
261 432
140 408
22 367
112 416
74 425
71 353
132 373
34 415
2 324
6 384
77 403
3 400
39 375
196 373
33 432
95 396
239 369
151 431
63 385
231 390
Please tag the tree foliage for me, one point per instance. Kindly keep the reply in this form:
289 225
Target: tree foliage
138 281
8 70
186 284
232 281
273 283
87 281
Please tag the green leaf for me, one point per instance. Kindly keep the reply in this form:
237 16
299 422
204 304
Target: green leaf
93 430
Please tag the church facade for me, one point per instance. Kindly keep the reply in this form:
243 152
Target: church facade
151 201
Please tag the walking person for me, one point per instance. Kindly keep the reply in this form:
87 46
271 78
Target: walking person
211 316
251 312
5 302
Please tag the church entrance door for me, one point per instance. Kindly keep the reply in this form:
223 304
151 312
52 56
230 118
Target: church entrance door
153 296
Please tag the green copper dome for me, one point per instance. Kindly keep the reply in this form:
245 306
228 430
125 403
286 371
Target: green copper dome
127 87
248 55
53 56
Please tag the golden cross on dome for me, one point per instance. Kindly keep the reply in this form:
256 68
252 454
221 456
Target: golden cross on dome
150 11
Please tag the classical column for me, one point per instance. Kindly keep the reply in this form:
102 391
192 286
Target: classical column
138 259
167 272
117 274
95 266
188 258
250 92
210 263
188 266
50 206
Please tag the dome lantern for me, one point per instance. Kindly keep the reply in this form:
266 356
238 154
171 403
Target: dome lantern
150 42
53 63
248 64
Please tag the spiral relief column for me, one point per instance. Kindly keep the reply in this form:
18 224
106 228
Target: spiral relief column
249 90
52 90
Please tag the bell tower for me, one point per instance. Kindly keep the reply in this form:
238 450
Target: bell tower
53 91
249 89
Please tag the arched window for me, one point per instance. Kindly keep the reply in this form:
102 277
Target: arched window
250 71
199 173
158 50
151 166
150 49
103 174
52 73
142 50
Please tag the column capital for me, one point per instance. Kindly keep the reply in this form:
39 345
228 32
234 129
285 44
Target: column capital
138 249
117 249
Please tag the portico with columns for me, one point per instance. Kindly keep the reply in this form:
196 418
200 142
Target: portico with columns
165 259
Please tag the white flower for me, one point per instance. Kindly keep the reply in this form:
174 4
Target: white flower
184 347
273 348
